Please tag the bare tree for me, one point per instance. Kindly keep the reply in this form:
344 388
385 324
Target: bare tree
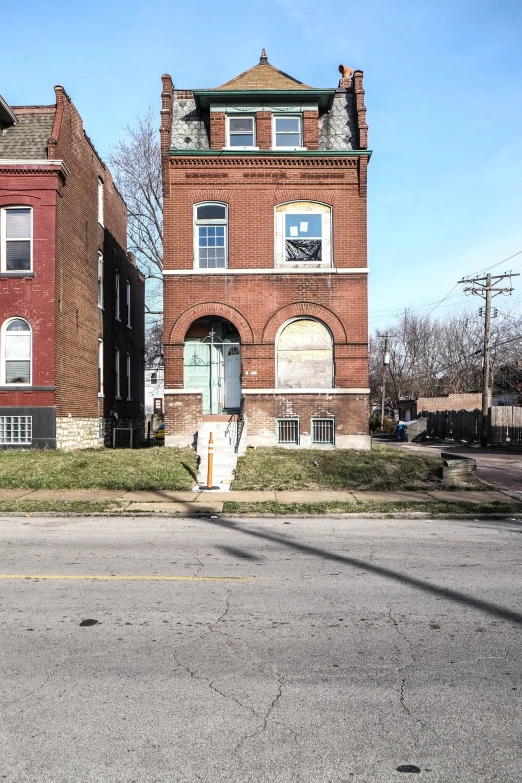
154 343
136 164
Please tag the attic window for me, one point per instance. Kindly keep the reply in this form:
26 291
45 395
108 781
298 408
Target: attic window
287 132
241 132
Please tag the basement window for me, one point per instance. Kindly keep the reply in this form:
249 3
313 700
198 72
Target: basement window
16 430
323 432
288 431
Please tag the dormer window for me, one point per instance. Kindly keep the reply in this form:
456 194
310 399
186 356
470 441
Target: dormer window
287 132
241 132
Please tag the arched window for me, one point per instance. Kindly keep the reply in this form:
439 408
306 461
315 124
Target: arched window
304 355
16 352
303 235
211 235
16 239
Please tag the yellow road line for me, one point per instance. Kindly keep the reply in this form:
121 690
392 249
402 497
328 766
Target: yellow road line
147 577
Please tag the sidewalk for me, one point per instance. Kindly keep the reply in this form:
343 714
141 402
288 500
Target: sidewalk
168 501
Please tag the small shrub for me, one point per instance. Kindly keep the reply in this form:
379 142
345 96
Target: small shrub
375 424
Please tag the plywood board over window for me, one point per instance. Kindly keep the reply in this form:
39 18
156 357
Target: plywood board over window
304 355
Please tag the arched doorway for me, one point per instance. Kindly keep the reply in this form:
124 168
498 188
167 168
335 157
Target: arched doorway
212 363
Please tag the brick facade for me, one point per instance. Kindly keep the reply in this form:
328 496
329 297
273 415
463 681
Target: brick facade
255 293
59 298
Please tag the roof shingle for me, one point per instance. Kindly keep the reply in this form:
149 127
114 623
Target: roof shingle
28 138
263 77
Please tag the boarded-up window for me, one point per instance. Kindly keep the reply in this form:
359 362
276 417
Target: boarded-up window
305 356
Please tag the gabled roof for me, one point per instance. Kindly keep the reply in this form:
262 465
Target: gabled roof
7 115
264 76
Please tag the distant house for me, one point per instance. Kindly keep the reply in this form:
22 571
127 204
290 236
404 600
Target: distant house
465 401
154 386
71 298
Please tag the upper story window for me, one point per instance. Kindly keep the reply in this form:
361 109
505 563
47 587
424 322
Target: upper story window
16 352
117 298
16 239
100 367
100 201
287 131
128 303
303 234
210 235
241 131
100 280
117 387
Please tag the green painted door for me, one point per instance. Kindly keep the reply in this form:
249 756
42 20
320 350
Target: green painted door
196 375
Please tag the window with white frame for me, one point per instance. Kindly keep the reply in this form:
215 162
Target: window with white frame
100 368
117 298
100 201
129 396
16 430
303 234
117 386
16 239
286 131
241 131
128 303
210 235
16 352
100 279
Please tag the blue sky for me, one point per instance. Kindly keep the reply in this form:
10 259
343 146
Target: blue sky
443 84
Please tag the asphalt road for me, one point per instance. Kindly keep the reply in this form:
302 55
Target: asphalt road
324 650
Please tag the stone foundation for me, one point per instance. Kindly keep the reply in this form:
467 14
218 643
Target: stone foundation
77 433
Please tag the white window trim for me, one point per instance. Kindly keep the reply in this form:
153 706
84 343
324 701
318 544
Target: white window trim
3 241
100 201
212 222
3 358
100 368
235 117
101 268
276 116
128 366
297 208
117 379
117 302
128 303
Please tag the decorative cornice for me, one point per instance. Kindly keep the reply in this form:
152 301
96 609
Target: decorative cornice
273 157
218 162
16 166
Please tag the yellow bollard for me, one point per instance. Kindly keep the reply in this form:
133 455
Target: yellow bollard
210 461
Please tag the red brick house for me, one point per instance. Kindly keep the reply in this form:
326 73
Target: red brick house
71 299
265 295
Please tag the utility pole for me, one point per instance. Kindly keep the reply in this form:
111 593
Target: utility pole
385 363
485 287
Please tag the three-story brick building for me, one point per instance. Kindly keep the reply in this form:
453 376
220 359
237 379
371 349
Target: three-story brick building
265 296
71 298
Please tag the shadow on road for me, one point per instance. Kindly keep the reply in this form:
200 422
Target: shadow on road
387 573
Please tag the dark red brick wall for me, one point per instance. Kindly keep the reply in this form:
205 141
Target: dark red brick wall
79 321
32 296
252 187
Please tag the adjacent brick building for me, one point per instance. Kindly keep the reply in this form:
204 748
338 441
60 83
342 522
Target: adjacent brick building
71 298
265 296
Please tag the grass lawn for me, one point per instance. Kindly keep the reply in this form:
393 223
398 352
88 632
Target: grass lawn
381 468
63 506
429 509
154 468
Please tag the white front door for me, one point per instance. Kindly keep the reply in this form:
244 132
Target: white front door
232 376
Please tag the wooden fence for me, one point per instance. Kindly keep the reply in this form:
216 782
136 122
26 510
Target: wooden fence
505 425
455 425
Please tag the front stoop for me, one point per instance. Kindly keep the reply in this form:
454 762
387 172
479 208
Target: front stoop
225 458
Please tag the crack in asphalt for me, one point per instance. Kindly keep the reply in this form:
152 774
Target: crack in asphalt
402 688
265 718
